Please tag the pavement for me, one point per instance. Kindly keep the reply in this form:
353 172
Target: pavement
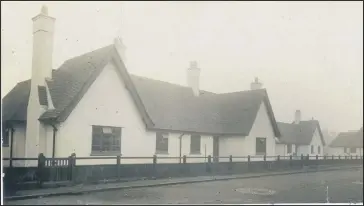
81 189
335 186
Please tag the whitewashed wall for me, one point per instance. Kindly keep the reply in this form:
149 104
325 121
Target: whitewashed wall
315 142
244 146
282 150
18 147
336 151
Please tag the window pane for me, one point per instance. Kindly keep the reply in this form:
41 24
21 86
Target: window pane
195 146
162 142
6 137
106 138
289 148
260 145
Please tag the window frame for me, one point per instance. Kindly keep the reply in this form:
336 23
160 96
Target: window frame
111 140
289 148
6 137
158 148
351 150
256 146
193 149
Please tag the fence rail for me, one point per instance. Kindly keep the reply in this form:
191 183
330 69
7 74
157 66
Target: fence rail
70 169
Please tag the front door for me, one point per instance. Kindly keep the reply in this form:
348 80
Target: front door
215 151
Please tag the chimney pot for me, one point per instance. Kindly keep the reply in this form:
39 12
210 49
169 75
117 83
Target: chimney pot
297 117
193 78
256 84
44 10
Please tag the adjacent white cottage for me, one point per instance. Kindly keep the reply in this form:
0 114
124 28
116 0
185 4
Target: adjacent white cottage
300 138
347 144
92 106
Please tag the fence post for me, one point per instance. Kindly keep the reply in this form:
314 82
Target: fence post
208 165
301 160
316 157
324 157
265 161
339 157
154 166
118 158
73 167
351 157
333 157
230 162
356 156
248 162
41 168
290 161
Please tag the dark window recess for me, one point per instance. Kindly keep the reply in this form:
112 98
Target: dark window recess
312 149
352 150
289 148
195 147
6 135
106 139
161 142
318 149
346 150
261 145
42 94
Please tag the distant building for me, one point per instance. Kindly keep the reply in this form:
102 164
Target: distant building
300 138
347 144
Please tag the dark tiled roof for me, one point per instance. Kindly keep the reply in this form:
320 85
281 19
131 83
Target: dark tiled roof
301 133
42 95
348 139
15 103
162 105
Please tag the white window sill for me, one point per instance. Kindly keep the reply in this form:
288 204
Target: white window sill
105 153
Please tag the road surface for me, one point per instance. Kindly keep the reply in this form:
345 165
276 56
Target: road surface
332 186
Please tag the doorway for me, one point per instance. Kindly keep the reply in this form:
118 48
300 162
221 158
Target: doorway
215 150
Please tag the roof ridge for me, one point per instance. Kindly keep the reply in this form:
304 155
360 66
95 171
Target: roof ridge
84 54
165 82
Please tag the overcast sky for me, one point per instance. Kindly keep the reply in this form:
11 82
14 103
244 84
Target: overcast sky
309 55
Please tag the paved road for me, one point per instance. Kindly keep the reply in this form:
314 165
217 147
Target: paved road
343 186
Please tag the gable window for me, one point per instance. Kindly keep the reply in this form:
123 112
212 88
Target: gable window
289 148
195 147
106 140
352 150
312 149
6 133
161 142
318 149
260 145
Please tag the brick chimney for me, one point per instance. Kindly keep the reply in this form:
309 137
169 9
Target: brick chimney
43 32
256 84
193 78
297 117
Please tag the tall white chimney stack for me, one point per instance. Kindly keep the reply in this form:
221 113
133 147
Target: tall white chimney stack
193 78
297 117
43 32
256 84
